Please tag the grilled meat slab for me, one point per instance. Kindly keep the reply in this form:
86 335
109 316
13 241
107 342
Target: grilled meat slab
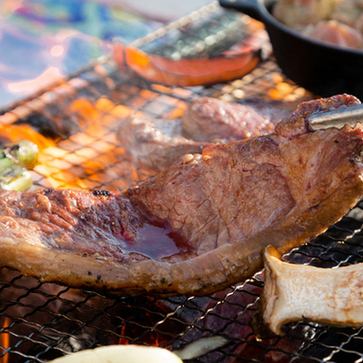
208 119
157 143
199 225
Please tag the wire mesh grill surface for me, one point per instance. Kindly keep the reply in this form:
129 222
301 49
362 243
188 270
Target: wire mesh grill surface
40 321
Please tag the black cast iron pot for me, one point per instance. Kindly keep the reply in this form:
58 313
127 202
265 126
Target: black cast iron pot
321 68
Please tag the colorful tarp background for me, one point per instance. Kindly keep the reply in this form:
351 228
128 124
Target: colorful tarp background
42 40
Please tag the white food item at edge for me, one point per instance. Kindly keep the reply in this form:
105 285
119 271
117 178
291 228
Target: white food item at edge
121 354
201 346
327 295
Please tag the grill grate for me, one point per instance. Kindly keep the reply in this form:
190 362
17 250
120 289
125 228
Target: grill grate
40 321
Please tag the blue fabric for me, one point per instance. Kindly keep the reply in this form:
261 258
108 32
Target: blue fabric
45 39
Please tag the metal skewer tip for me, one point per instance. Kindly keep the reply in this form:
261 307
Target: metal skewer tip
349 115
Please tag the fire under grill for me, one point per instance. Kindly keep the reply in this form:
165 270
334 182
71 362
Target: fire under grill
75 123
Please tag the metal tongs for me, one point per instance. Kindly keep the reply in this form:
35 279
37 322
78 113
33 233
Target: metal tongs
349 115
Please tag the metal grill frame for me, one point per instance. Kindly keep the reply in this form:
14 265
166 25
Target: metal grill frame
78 317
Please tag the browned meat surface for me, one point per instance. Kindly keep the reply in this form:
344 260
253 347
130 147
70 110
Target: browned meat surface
209 119
198 226
157 143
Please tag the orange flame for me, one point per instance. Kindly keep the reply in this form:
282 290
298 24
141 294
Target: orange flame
96 146
16 133
177 112
100 113
283 91
5 340
123 340
155 342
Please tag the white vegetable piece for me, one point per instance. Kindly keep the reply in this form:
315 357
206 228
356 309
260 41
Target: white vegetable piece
121 354
326 295
201 346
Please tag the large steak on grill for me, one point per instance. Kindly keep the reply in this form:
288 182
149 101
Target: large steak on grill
201 224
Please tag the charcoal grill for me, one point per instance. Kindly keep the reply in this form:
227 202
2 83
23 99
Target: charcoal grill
40 321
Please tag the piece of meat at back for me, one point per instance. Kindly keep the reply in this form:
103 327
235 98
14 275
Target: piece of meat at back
156 143
208 119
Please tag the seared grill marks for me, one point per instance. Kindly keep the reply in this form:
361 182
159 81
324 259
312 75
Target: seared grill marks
197 226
